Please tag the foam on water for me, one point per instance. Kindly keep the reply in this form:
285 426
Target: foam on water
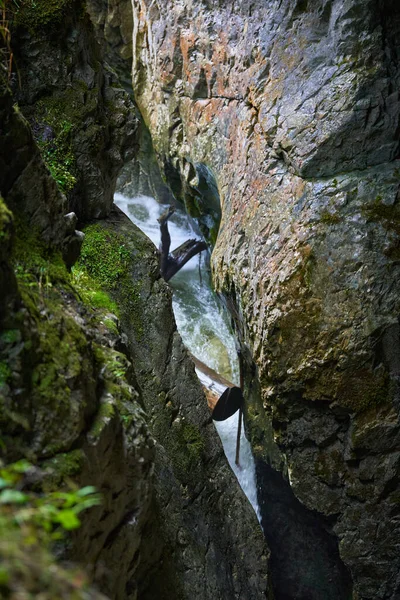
201 321
144 212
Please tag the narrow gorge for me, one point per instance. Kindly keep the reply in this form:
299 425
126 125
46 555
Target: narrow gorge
275 125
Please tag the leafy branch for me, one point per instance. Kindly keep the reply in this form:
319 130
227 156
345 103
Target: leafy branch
49 513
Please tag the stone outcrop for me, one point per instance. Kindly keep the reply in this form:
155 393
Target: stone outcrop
292 110
27 185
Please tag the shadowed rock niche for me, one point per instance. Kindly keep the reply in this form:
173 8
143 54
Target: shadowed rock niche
305 562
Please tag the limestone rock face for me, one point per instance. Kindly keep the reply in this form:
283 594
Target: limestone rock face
293 108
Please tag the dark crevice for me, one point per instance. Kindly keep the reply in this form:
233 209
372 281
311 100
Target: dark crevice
305 562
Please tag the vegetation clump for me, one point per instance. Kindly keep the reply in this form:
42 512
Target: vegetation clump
92 294
54 137
106 258
35 263
329 218
30 523
5 223
36 15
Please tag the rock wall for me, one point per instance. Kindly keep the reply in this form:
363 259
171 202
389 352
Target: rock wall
81 117
293 107
69 404
83 353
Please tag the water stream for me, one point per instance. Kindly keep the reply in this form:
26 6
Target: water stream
201 321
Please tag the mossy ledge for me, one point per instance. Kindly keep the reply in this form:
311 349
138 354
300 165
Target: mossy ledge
106 258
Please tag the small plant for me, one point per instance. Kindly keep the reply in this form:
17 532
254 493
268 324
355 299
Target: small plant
53 135
44 514
5 373
90 291
55 147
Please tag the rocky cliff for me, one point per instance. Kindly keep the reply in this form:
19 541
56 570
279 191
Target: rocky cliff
288 114
96 387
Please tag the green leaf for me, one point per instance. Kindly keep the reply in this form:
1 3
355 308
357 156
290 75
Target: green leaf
22 466
4 576
85 491
4 483
12 497
68 519
88 503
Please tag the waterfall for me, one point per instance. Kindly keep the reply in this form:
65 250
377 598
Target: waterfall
201 321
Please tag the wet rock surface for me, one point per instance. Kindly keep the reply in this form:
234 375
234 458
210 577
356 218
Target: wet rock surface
294 109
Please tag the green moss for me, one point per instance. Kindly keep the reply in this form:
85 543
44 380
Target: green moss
62 348
114 367
34 262
192 206
54 139
5 373
5 222
41 275
57 119
104 414
62 467
329 218
36 15
110 324
10 336
193 440
213 233
106 258
91 292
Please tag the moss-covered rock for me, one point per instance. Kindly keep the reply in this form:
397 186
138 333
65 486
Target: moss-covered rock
68 401
38 17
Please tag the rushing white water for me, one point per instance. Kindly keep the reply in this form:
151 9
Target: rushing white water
246 472
201 321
